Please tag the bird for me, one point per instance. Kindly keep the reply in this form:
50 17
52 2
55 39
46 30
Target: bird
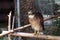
36 21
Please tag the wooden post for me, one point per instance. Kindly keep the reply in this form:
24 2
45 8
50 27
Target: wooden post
17 13
9 25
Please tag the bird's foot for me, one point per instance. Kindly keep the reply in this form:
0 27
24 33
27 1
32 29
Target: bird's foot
41 33
34 33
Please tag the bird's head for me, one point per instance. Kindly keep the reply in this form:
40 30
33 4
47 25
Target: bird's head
30 14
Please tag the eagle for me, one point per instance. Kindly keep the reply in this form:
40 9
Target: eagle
36 21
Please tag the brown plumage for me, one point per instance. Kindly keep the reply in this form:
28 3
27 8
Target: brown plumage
36 21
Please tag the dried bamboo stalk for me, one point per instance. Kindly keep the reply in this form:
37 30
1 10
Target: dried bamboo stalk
31 35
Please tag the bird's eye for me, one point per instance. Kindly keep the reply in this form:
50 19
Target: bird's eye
29 14
33 13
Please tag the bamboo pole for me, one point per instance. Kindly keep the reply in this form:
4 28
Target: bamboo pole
52 17
13 22
20 28
9 25
31 35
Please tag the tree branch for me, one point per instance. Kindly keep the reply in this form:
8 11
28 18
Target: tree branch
55 16
31 35
7 32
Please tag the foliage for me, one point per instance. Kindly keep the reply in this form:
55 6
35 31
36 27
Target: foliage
56 7
57 24
1 38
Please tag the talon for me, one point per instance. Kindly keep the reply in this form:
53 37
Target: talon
41 33
34 33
